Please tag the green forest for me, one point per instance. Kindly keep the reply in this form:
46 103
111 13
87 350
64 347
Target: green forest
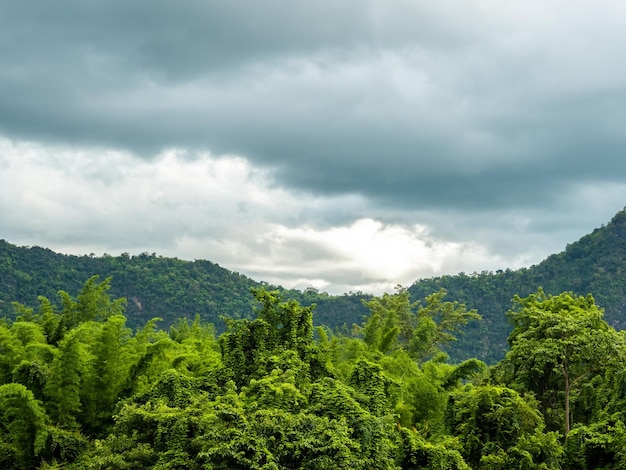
82 390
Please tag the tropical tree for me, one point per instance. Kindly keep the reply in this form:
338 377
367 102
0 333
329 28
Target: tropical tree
423 330
23 427
499 429
249 346
439 322
64 385
557 344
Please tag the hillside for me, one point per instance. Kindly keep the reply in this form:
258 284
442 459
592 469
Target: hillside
154 286
170 288
594 264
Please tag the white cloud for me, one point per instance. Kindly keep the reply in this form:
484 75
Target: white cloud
82 197
216 208
371 255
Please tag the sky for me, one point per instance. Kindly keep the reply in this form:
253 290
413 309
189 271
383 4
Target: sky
345 145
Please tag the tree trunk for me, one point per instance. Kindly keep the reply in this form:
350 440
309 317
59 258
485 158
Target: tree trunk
567 393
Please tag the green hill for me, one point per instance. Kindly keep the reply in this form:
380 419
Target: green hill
594 264
154 286
170 288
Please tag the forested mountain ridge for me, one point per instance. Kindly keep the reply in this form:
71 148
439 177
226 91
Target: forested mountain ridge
154 286
169 288
595 264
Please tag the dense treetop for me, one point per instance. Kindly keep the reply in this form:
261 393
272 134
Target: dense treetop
79 389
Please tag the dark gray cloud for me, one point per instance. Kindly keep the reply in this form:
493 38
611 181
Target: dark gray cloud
190 37
417 110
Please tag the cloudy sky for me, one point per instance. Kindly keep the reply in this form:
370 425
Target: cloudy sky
340 144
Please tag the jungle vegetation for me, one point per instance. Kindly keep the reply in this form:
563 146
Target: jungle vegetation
80 389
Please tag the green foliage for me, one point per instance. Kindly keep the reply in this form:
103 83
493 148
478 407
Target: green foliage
417 452
266 439
111 358
601 445
595 263
395 322
375 389
23 427
391 320
501 429
267 425
335 400
12 350
154 286
421 398
277 390
438 325
81 390
557 344
247 345
170 288
63 387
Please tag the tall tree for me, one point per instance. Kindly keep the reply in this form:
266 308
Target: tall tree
93 303
439 323
63 388
247 345
557 343
422 330
500 429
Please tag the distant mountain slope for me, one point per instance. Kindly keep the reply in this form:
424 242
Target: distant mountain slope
154 286
595 264
171 288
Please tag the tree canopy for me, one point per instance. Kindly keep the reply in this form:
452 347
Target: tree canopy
81 390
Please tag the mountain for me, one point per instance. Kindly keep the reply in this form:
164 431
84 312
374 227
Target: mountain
154 286
170 288
595 264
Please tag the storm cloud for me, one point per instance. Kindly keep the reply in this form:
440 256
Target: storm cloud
435 137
